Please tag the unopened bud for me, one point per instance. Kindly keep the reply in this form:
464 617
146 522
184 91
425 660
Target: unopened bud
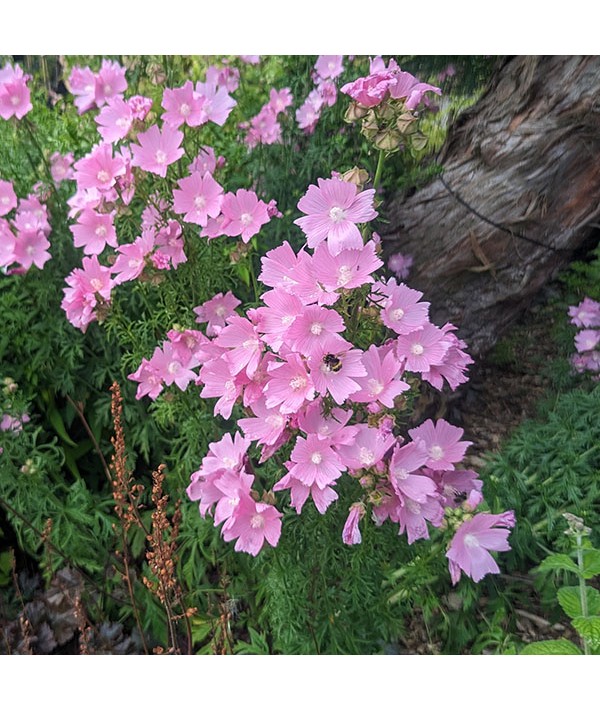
357 176
355 112
389 140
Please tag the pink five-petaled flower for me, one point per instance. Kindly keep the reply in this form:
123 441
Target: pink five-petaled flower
329 66
110 82
587 339
442 441
277 316
157 149
404 476
586 314
245 214
268 425
216 311
61 167
252 523
233 486
198 198
333 209
401 307
381 382
217 103
93 231
245 346
115 120
289 385
183 105
150 382
349 269
315 462
314 326
15 97
423 348
31 248
469 550
132 257
336 371
367 448
99 169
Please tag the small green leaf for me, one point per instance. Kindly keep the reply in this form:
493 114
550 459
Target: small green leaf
591 563
243 273
553 646
558 561
58 424
570 601
589 629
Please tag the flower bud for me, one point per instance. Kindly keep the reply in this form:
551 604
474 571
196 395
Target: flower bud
357 176
355 112
388 140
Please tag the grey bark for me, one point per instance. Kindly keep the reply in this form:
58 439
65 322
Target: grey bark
526 157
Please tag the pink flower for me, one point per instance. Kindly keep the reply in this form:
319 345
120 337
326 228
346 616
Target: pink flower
15 98
268 425
132 258
336 371
469 550
216 311
150 382
157 149
349 269
170 245
198 198
250 58
252 524
442 441
115 120
140 106
586 314
333 209
82 84
587 339
275 319
367 448
405 478
264 128
99 169
8 197
289 385
280 100
94 231
309 113
314 327
206 161
315 462
454 364
329 66
330 427
7 244
423 348
413 516
84 287
245 214
31 248
228 454
245 347
60 167
401 308
110 82
351 534
400 264
381 382
183 105
233 485
217 103
278 268
167 365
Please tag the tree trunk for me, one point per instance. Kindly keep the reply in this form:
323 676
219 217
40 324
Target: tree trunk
519 192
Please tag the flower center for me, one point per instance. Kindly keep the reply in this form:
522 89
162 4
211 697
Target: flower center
274 421
229 462
337 214
397 314
107 89
401 474
101 231
185 109
200 202
221 311
14 100
134 263
160 157
251 343
174 367
366 456
375 386
316 328
287 320
5 200
417 349
471 541
103 176
316 457
257 521
413 506
436 452
297 382
122 122
344 275
96 283
229 386
246 219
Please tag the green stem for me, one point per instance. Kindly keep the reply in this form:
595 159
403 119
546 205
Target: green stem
28 126
582 589
379 170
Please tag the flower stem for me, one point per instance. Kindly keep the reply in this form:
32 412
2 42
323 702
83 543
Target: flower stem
379 170
582 588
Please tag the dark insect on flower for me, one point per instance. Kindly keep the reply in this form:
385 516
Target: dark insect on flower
332 362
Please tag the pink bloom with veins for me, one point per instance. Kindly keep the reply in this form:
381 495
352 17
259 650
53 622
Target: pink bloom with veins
150 382
245 214
313 327
110 82
469 549
167 365
405 477
349 269
15 97
94 231
228 454
245 346
8 197
99 169
336 370
82 84
351 533
132 258
401 307
277 316
280 100
423 348
115 120
157 149
587 340
31 248
331 427
279 267
381 383
413 516
61 167
183 105
289 385
442 441
252 524
586 314
315 462
206 161
233 486
216 311
454 365
367 448
308 115
198 198
217 102
333 209
267 426
308 287
170 244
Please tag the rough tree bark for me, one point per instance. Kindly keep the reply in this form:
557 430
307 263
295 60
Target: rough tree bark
525 157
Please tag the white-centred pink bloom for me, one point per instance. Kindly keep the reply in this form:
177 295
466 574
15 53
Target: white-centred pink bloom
401 307
8 197
245 214
93 231
336 371
329 66
217 103
423 348
333 209
382 382
216 311
99 169
115 120
442 442
367 448
157 149
131 258
315 462
183 105
312 328
267 426
349 269
253 523
198 198
289 385
244 345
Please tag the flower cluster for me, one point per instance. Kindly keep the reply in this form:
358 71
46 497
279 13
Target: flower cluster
327 69
586 316
308 392
15 97
385 102
264 128
24 237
